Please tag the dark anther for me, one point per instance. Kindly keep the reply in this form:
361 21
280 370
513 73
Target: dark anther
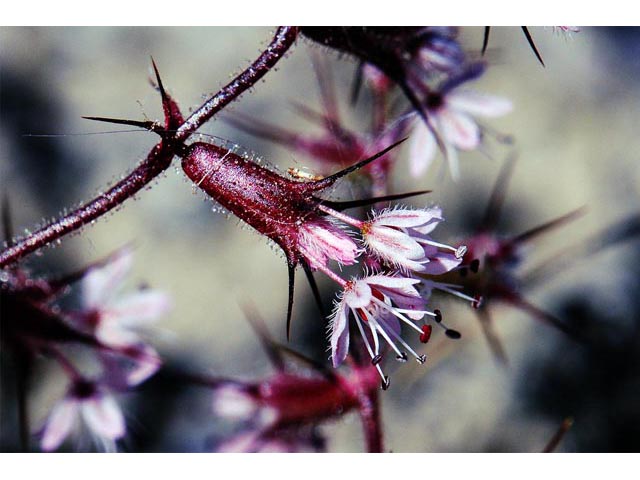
438 317
453 334
385 383
376 360
402 357
421 359
474 266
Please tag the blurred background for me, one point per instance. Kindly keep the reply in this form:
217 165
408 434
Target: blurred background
575 125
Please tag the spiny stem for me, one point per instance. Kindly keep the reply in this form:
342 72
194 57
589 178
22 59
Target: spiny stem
156 162
158 159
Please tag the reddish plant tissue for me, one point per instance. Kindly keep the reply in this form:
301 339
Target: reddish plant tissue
394 260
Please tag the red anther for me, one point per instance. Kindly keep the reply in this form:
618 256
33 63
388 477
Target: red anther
426 333
477 301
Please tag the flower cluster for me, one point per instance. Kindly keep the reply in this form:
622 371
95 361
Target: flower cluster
35 325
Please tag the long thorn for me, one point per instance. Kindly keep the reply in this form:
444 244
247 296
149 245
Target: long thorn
291 270
496 202
547 226
485 40
330 180
551 446
7 223
532 44
147 125
339 206
314 288
494 342
259 327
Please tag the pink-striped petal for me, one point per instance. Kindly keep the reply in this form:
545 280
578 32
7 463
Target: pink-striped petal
459 129
339 336
422 150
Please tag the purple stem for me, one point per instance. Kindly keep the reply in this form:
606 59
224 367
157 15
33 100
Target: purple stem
159 159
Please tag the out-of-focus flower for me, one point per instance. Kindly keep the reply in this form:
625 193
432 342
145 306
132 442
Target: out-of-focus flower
451 112
116 318
283 412
98 410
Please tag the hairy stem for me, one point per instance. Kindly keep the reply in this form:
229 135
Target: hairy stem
158 159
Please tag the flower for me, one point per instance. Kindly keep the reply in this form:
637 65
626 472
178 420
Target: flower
97 408
377 304
400 237
115 322
451 112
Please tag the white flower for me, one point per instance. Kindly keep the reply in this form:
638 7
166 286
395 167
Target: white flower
99 411
400 237
451 114
377 304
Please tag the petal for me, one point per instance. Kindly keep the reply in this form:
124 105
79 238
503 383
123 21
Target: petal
231 401
436 218
393 245
441 263
139 308
100 283
109 332
459 129
475 103
339 337
422 150
146 363
321 240
59 424
104 417
401 291
404 217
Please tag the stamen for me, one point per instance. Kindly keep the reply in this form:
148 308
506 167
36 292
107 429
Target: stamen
460 251
453 334
403 356
426 333
397 313
376 360
477 301
451 288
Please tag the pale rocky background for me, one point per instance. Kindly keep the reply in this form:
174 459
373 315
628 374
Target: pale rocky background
576 125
